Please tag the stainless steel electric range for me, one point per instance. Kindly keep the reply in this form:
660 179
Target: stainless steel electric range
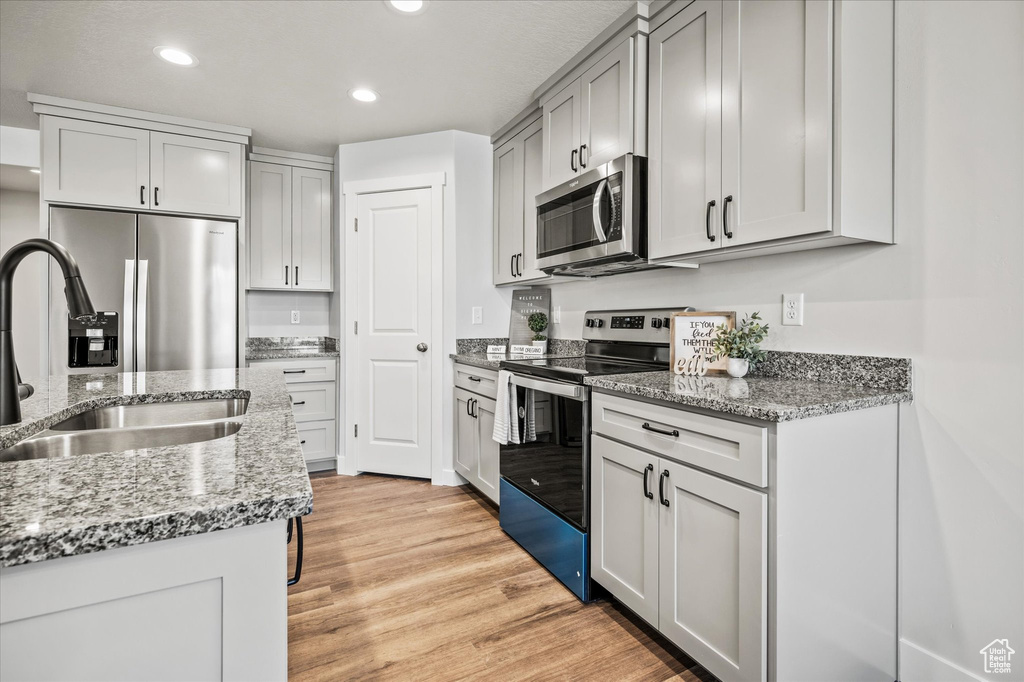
545 478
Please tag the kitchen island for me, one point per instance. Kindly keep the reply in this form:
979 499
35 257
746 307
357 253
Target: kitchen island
154 563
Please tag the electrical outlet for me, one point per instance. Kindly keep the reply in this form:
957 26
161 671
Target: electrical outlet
295 317
793 310
478 315
557 315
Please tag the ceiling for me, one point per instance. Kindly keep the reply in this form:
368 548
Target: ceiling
284 68
18 178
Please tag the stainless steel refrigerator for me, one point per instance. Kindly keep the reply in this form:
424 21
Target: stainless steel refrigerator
167 285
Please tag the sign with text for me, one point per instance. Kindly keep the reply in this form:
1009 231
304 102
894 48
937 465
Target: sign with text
526 302
693 339
527 350
496 349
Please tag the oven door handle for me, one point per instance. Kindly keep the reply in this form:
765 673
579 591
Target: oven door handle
564 390
599 230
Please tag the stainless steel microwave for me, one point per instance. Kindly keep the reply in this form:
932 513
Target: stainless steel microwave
596 223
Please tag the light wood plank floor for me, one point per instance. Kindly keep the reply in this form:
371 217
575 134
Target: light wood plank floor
407 581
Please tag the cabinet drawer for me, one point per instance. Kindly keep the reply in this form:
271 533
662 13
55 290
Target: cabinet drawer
725 447
314 401
302 371
318 440
481 381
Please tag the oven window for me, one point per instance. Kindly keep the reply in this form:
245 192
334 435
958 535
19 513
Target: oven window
567 223
552 467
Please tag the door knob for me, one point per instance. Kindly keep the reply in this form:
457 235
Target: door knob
421 347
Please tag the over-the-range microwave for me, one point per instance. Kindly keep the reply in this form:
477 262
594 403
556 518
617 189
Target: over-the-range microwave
596 223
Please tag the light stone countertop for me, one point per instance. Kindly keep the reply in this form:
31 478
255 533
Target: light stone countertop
60 507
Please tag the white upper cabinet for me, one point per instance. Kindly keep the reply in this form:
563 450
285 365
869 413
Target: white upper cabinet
591 120
98 164
685 145
195 175
94 163
766 131
311 230
606 108
517 179
776 119
270 225
290 228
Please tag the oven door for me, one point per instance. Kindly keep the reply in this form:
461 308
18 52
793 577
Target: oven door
591 217
551 465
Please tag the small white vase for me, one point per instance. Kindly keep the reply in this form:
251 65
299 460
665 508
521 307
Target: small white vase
737 367
543 345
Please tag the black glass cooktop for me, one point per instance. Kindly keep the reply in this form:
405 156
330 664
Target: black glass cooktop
574 369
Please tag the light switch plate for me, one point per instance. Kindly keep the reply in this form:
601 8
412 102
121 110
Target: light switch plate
478 315
295 317
792 310
557 315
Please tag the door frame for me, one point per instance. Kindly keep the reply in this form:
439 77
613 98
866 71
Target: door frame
434 182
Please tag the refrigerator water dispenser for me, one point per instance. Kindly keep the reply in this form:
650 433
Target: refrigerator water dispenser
93 342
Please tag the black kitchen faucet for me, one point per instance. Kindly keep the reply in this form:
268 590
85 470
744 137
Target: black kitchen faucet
12 391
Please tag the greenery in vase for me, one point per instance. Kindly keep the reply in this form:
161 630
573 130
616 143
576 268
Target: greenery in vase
537 322
742 342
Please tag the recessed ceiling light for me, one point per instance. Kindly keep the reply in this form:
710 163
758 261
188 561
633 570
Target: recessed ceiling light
34 170
363 94
175 56
407 6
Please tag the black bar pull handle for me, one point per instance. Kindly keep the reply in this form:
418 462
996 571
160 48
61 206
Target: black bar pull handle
469 404
512 266
661 487
302 442
295 371
572 160
725 216
707 221
647 493
156 196
142 195
519 265
583 148
286 275
301 402
476 413
647 427
476 379
298 556
296 280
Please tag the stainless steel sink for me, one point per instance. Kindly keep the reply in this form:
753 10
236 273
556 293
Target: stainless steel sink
133 427
153 414
94 441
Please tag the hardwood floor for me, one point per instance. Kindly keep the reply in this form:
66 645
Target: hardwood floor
403 580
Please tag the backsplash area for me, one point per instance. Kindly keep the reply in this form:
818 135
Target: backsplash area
269 313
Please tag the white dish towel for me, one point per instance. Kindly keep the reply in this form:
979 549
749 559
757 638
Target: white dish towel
506 411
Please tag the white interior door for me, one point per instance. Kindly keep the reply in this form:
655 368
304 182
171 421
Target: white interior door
393 300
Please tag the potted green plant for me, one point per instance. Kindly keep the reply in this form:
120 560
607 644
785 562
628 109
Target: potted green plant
538 322
741 345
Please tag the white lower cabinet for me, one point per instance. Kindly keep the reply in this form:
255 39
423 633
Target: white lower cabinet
687 552
476 452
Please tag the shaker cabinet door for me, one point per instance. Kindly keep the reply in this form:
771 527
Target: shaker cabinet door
95 163
270 226
685 141
624 525
466 431
713 592
533 167
776 119
311 230
606 108
488 448
561 123
508 211
195 175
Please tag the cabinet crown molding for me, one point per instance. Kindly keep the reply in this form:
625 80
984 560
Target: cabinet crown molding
134 118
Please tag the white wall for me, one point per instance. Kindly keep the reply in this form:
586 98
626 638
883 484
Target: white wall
950 295
19 220
269 313
465 159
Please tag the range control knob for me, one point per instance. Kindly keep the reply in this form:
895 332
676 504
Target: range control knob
656 323
600 323
666 322
590 323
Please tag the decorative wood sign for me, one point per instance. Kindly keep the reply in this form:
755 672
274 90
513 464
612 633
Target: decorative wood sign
693 336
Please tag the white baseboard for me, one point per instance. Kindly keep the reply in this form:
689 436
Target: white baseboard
452 478
920 665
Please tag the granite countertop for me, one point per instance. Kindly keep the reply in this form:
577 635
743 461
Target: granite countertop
60 507
290 347
492 360
767 398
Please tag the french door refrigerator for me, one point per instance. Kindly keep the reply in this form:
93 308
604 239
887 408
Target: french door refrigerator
167 286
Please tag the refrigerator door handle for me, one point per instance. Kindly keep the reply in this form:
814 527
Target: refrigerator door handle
128 323
140 338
